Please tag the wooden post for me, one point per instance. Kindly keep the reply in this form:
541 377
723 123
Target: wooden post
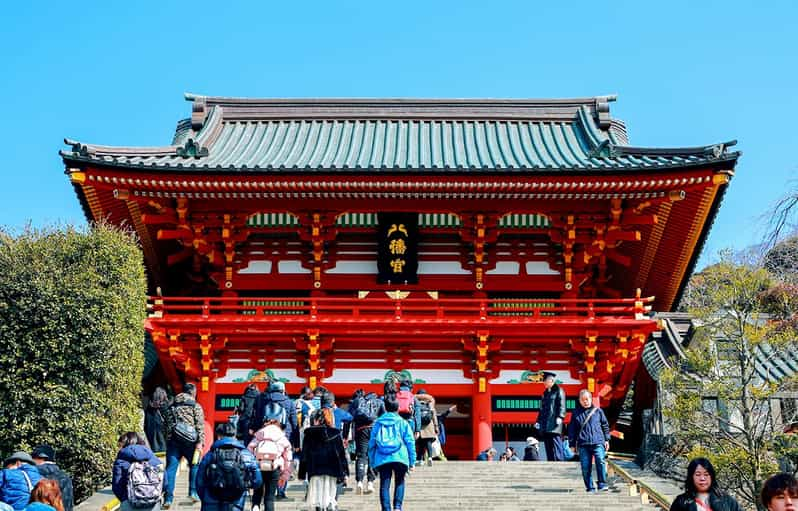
481 420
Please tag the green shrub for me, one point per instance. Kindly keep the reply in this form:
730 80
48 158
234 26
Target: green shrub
72 306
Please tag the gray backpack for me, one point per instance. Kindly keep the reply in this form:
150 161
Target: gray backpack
144 484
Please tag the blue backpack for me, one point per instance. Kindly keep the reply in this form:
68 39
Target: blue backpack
388 439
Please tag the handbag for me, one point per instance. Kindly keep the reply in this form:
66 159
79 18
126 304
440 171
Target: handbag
185 432
435 449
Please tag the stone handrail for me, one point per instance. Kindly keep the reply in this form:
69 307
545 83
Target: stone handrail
637 487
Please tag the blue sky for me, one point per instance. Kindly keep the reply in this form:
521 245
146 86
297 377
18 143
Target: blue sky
686 73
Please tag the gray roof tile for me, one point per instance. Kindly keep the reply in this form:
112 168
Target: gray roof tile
248 135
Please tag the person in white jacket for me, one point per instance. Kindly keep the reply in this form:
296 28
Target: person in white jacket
272 450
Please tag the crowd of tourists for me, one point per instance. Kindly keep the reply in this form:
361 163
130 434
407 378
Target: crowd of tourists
272 439
34 482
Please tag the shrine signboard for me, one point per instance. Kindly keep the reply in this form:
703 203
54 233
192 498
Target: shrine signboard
397 261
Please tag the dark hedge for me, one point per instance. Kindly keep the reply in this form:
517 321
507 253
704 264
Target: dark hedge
72 306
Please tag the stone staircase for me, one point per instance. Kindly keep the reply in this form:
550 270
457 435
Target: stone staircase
481 486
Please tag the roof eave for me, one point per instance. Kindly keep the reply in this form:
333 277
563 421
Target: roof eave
699 245
193 165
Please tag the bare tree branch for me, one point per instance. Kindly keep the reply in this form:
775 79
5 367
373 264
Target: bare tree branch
781 218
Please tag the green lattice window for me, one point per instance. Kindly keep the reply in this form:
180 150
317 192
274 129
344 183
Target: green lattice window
519 308
524 221
269 311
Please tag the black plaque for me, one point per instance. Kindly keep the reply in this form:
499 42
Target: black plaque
397 256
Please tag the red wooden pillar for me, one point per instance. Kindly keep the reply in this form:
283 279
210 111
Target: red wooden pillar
206 397
481 420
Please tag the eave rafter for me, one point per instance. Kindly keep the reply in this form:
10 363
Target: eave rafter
513 187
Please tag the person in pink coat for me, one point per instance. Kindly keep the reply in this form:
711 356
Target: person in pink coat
272 450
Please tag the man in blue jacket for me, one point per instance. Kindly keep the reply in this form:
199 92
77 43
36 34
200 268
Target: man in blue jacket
589 433
17 480
392 452
226 439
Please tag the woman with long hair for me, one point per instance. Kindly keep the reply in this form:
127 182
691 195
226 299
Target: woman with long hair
45 496
323 461
702 492
154 419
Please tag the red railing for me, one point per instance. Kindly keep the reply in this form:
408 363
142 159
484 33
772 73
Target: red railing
265 308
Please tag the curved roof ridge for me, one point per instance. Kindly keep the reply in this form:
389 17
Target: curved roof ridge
103 150
717 150
190 148
257 109
595 134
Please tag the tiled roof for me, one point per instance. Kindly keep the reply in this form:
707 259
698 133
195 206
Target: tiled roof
251 135
775 366
665 346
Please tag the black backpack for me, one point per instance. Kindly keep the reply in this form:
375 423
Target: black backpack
366 410
426 413
224 475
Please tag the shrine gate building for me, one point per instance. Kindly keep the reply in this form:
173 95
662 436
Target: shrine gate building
466 244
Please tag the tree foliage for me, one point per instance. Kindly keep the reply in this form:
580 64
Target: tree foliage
72 305
782 260
719 400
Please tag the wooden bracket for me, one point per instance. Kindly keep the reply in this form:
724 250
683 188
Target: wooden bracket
482 346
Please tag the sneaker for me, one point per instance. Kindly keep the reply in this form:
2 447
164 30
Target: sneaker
370 487
591 490
194 497
359 488
604 488
166 504
429 462
255 508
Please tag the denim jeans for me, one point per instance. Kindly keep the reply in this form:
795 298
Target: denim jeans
362 467
386 471
175 451
586 454
267 491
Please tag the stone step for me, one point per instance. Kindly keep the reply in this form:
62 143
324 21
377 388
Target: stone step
475 486
480 486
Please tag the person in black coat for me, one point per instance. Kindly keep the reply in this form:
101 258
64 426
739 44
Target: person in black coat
323 460
44 456
246 413
701 485
551 416
154 420
531 452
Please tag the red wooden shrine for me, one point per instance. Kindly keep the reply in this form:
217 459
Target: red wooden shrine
543 241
